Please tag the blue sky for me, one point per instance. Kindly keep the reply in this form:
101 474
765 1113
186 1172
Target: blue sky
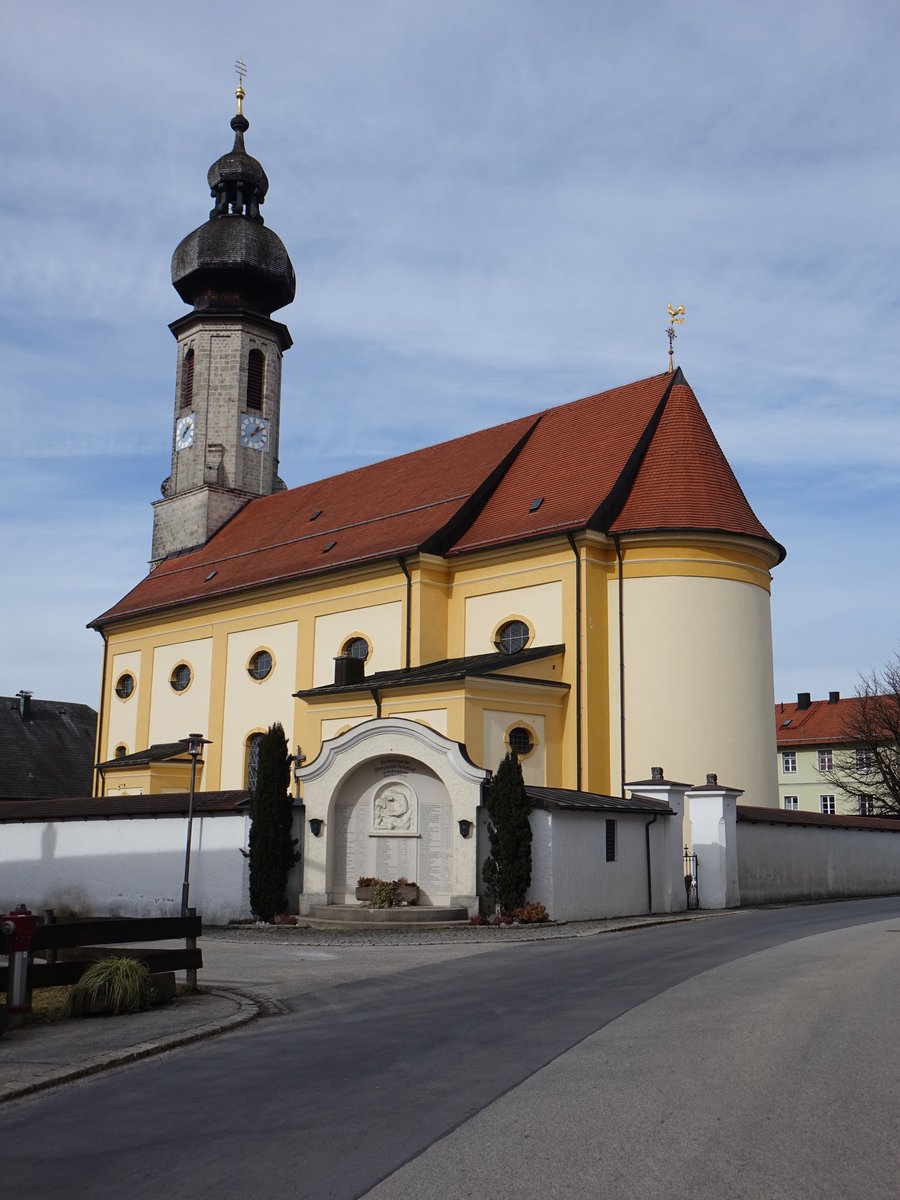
488 204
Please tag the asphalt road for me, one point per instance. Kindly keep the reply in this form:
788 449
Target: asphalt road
751 1056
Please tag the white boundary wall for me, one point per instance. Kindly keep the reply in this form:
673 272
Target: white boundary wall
130 867
778 862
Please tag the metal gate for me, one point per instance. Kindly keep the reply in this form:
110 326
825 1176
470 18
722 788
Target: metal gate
690 879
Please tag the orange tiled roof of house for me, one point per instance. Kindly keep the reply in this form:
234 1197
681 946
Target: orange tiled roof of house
809 722
639 458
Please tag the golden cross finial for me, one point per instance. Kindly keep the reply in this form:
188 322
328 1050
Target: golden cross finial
241 67
676 317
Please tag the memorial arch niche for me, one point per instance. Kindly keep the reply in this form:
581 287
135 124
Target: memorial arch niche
387 797
393 817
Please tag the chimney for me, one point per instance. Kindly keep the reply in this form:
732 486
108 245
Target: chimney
349 670
24 704
833 697
803 700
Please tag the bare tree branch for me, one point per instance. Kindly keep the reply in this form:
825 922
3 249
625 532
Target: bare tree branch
867 765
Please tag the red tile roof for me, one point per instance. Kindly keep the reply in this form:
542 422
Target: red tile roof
639 458
821 724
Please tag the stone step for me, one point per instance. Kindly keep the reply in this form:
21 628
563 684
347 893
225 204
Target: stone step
359 916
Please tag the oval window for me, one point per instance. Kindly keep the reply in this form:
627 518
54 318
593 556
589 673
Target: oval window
260 665
180 678
512 637
124 686
356 647
520 740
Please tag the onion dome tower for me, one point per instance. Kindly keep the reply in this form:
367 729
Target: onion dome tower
235 273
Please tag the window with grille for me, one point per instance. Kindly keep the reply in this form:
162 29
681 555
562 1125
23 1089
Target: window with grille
789 762
512 637
255 368
826 760
826 804
260 665
356 647
610 841
180 678
520 740
254 741
124 686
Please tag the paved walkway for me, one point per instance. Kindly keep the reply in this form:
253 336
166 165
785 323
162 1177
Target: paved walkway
41 1056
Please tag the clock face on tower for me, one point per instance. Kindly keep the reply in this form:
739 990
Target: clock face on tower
184 432
254 432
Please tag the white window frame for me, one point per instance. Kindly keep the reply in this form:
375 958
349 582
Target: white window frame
826 760
789 762
827 806
791 803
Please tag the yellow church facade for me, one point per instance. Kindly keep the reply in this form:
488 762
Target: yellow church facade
586 585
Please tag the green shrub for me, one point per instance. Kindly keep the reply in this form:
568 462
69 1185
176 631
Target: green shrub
386 894
272 849
111 985
507 870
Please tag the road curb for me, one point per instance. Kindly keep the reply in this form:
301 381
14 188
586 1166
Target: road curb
248 1010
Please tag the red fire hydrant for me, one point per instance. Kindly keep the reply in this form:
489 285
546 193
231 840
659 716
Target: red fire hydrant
18 928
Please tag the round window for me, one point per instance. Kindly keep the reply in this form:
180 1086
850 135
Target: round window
180 677
512 637
356 647
260 665
124 686
520 740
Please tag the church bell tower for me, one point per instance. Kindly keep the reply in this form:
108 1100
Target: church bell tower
234 273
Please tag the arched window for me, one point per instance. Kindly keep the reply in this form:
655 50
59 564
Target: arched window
187 379
121 750
255 368
512 637
254 741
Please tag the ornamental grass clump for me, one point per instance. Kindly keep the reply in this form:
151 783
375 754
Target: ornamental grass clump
113 986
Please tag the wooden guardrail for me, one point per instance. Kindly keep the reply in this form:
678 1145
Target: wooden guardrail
104 938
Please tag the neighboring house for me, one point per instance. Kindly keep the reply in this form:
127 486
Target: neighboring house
809 734
586 585
46 748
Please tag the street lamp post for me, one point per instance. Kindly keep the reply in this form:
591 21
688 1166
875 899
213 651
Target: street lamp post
196 742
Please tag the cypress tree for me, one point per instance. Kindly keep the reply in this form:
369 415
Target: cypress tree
272 849
507 871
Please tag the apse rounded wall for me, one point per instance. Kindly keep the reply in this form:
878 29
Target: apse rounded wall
700 688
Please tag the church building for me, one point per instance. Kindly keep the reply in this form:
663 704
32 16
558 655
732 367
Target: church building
586 585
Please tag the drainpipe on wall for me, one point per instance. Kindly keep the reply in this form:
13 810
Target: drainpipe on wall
405 570
571 538
619 556
649 875
377 699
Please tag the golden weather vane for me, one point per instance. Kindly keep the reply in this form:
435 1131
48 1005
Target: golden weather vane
676 317
241 68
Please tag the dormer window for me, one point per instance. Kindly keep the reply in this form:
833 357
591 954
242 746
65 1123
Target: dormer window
255 369
187 379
